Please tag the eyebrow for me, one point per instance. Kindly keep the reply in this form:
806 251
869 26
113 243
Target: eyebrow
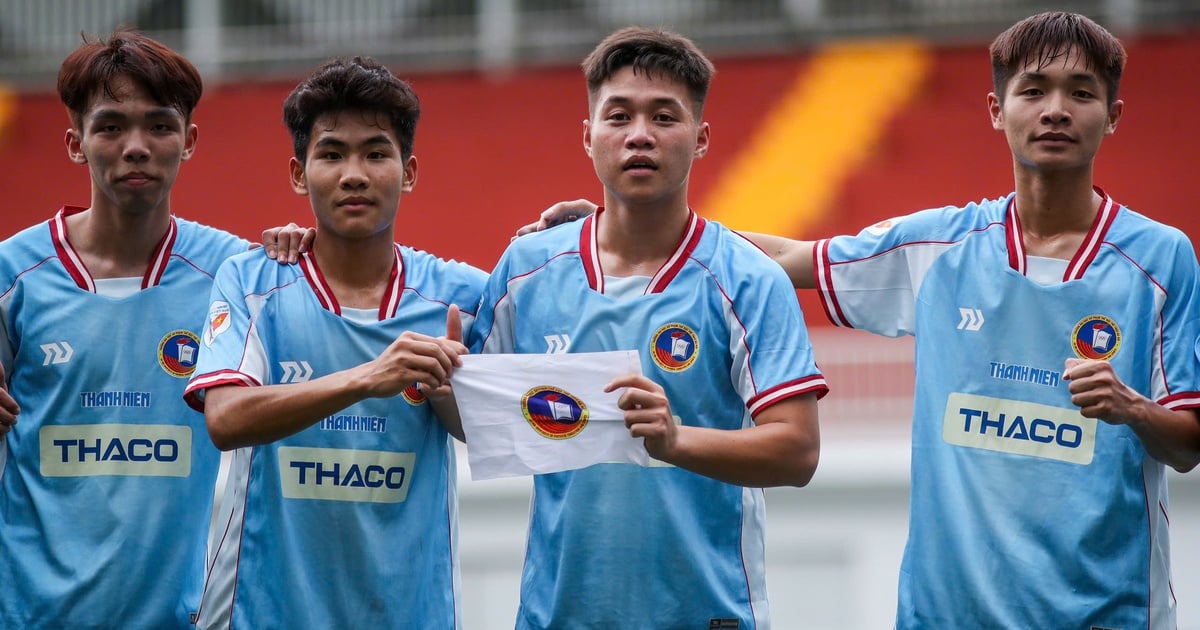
1086 77
658 102
332 141
157 112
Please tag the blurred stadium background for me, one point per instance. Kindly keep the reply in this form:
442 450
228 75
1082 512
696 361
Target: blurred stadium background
827 115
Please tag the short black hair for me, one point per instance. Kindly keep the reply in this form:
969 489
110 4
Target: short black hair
358 84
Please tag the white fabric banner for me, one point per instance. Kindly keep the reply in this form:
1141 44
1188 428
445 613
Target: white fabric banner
527 414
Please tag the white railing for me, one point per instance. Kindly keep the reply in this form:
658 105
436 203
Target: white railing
230 39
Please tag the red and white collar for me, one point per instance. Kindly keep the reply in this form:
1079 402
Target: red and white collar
590 250
79 272
391 296
1087 251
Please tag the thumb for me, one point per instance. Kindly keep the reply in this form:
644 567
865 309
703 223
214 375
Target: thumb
453 324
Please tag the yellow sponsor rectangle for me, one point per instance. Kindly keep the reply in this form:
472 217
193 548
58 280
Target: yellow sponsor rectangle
1023 428
334 474
145 450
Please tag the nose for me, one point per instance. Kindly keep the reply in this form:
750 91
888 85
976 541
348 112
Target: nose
1056 111
354 176
137 149
639 134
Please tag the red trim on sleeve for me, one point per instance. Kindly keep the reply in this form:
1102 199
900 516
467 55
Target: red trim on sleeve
823 276
192 395
1178 402
809 384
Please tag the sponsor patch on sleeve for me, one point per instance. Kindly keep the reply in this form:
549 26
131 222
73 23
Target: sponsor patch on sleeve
217 322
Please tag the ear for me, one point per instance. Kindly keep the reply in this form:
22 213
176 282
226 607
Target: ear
299 183
410 174
587 137
190 136
1114 116
996 111
74 140
702 141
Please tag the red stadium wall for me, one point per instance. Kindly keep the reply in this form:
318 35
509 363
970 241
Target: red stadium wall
494 151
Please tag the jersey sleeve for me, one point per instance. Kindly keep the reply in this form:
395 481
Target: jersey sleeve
492 330
1180 385
870 280
6 346
231 352
772 356
470 285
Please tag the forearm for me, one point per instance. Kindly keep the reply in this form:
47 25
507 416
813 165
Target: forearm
775 454
249 416
796 257
1171 437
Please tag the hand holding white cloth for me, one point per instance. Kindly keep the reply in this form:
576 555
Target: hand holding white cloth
526 414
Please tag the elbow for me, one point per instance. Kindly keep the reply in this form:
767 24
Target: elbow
218 433
1184 460
1186 465
805 467
223 417
797 465
221 431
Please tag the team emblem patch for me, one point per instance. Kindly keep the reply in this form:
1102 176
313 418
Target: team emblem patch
881 228
177 353
554 413
217 322
1096 337
674 347
413 394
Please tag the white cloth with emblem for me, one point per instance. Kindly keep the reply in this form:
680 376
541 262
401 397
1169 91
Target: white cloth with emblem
528 414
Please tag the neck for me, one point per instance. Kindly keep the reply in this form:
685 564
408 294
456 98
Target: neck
115 244
357 270
636 240
1050 204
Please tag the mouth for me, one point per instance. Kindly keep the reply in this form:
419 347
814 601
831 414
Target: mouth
1054 138
135 179
639 164
354 203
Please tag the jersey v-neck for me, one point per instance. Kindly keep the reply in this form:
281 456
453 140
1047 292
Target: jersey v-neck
73 262
590 252
1077 266
324 294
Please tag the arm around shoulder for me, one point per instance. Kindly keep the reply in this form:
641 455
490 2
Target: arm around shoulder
796 257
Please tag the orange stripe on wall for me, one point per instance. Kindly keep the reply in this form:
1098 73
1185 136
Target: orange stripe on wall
823 128
8 109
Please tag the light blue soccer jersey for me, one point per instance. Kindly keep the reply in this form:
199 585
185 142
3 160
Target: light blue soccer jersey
624 546
352 522
1025 514
106 481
